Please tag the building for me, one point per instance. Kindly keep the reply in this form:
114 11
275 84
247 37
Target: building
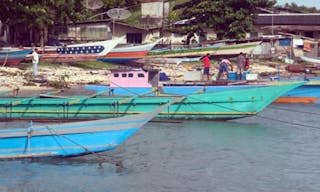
303 24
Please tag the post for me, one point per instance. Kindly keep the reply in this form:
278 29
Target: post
29 135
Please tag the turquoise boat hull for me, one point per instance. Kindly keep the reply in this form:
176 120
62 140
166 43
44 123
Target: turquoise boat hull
219 105
307 93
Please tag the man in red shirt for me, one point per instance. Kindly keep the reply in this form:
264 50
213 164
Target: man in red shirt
207 65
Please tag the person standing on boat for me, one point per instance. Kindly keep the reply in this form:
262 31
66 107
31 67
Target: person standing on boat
206 61
247 64
241 59
224 67
35 61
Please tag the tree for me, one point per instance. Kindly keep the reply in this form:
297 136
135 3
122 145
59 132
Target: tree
38 15
302 8
228 18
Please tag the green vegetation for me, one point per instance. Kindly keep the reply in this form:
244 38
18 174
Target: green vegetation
229 19
302 9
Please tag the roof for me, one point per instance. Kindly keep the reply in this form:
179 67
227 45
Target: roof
288 19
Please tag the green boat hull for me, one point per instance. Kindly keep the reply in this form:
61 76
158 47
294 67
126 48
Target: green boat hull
221 105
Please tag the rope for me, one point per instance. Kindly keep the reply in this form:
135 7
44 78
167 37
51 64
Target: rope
278 120
117 164
286 122
125 89
298 111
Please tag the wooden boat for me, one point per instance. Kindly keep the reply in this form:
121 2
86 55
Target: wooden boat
309 93
229 49
71 139
221 105
126 54
13 56
77 52
138 81
305 94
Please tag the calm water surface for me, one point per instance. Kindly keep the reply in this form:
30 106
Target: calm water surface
278 151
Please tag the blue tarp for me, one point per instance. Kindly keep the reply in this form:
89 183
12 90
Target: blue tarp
284 42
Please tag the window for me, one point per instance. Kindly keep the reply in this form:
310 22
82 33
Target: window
134 38
116 75
124 75
140 75
130 75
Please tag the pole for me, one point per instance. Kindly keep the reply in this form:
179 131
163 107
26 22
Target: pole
113 28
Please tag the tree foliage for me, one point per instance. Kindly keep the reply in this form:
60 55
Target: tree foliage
38 14
303 9
228 18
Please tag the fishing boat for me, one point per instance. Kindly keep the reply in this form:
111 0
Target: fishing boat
220 49
138 81
221 105
77 52
309 93
71 139
13 56
128 53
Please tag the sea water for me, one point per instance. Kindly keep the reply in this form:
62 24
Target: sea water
278 150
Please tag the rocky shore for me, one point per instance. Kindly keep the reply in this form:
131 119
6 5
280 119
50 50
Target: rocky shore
66 76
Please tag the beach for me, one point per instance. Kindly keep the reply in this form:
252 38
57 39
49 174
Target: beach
70 76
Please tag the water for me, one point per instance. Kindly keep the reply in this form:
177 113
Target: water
277 151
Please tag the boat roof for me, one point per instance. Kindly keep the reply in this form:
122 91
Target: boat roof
133 70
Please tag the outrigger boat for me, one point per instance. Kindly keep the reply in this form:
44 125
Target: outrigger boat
71 139
128 53
222 49
13 56
77 52
137 81
222 105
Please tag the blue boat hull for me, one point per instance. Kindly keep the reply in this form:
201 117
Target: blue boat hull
71 139
64 145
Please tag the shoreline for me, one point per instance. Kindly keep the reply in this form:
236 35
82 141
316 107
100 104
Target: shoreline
72 77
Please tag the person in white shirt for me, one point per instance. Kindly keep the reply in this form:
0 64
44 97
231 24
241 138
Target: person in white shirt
35 61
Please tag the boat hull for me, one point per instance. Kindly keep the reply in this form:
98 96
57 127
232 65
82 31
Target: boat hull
13 57
219 105
78 52
233 49
51 145
127 54
71 139
305 94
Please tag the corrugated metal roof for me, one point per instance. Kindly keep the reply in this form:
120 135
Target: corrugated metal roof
288 19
